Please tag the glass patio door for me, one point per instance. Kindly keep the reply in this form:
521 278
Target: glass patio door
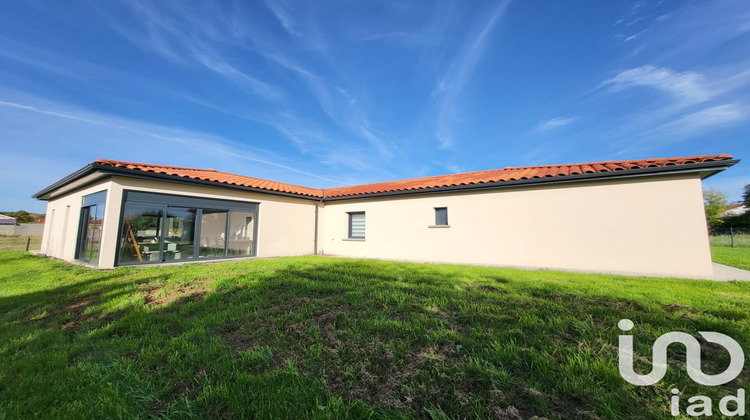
179 240
90 228
141 233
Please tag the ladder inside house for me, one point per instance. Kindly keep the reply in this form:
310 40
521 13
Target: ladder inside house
135 243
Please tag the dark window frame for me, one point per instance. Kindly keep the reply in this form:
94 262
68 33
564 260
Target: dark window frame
97 202
349 233
441 220
166 201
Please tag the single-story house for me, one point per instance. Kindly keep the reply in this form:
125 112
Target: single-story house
7 220
634 216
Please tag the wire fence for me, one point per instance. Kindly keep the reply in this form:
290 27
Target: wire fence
732 237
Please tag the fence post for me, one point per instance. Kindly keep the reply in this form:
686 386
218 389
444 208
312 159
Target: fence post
28 242
731 235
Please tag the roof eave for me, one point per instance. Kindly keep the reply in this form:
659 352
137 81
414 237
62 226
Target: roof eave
705 169
44 194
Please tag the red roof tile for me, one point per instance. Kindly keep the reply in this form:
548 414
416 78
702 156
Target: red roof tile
514 174
469 178
214 176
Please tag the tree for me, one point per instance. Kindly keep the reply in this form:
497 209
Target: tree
746 196
740 221
715 202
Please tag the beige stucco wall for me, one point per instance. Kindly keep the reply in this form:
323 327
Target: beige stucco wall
652 225
285 225
63 217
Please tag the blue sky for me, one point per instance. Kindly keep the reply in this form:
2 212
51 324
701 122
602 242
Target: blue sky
325 94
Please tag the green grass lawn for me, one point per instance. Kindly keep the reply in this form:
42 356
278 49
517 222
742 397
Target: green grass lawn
18 243
323 337
735 257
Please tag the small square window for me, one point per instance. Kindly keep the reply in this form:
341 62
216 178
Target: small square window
441 216
357 225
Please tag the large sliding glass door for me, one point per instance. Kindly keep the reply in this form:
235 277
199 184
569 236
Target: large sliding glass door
141 233
90 227
168 228
179 242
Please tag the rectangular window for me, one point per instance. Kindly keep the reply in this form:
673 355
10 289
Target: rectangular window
141 233
357 225
213 233
171 228
90 228
441 216
179 242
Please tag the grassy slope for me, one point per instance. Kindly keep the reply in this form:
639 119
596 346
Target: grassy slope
735 257
324 337
18 243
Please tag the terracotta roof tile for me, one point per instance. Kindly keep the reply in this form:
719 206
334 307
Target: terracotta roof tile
469 178
511 174
214 176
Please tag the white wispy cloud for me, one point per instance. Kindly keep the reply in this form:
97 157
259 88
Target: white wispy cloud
554 123
279 10
634 36
300 25
160 137
186 38
687 86
705 120
336 102
699 103
450 86
240 78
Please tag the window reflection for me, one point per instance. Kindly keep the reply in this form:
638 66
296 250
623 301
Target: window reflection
241 233
157 231
90 229
179 242
141 233
213 233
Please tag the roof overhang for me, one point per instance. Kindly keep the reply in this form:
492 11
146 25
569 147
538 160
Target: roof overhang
704 170
68 183
94 172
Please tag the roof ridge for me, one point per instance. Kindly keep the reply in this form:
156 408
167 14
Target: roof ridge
713 157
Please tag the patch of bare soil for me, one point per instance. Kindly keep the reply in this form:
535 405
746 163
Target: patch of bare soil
674 307
76 310
371 373
686 311
157 295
